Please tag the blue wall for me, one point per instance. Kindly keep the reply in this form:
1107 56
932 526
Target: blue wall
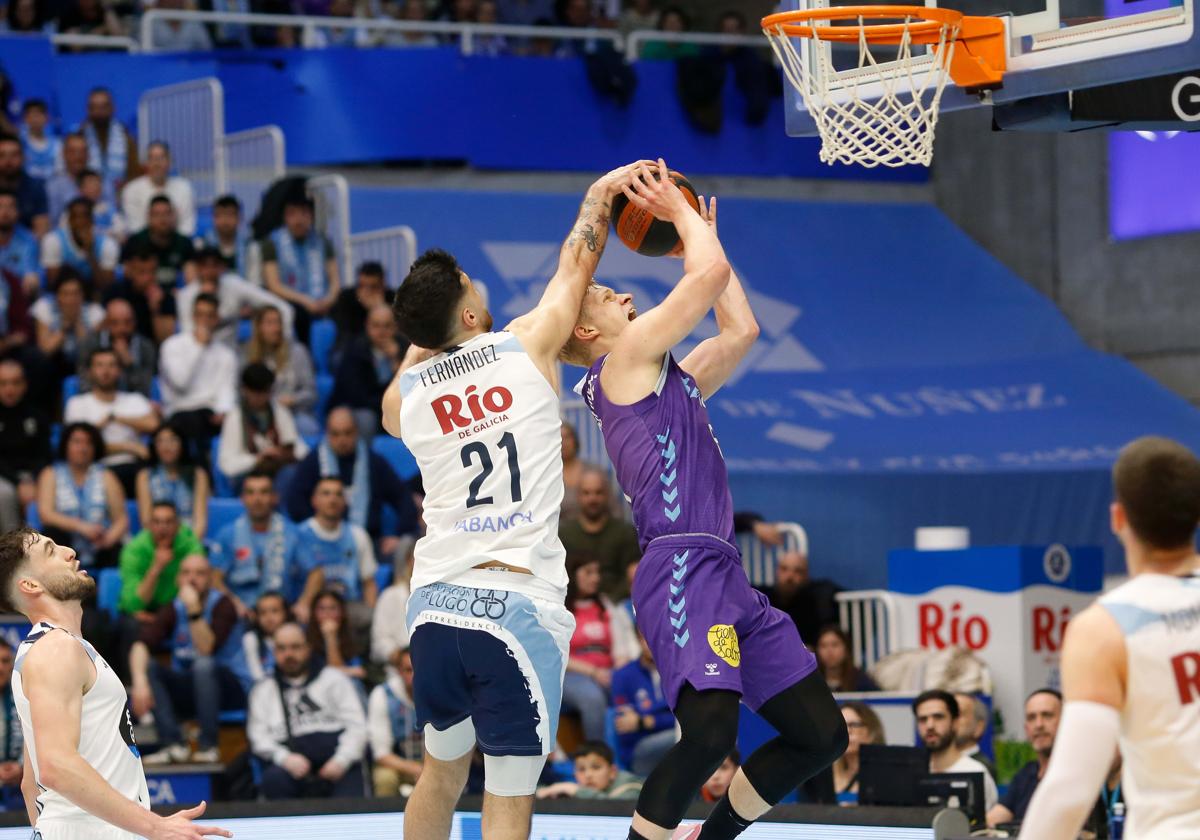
355 105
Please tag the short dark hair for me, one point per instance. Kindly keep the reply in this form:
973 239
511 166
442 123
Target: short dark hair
99 351
86 173
427 299
322 479
300 200
14 550
10 194
1157 482
209 253
206 297
167 503
259 473
257 377
372 268
161 199
1053 692
68 274
937 694
228 202
594 748
137 251
35 105
88 429
80 200
162 144
10 138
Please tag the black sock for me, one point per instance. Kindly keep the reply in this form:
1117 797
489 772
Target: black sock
724 823
633 835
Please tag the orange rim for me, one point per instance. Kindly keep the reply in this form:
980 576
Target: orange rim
924 31
978 62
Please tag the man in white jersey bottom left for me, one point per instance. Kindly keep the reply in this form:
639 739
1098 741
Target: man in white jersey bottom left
83 773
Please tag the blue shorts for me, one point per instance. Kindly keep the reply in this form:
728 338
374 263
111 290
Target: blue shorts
494 656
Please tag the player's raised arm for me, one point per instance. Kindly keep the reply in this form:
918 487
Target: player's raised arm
706 274
716 358
1094 671
391 397
547 326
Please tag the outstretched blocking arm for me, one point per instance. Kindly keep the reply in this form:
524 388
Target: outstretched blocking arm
715 359
1094 672
390 409
647 339
55 675
545 329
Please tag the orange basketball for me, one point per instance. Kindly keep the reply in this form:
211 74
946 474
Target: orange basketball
640 231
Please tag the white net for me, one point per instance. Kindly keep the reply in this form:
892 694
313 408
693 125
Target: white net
883 113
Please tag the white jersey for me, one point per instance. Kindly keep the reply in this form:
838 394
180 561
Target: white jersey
105 742
483 424
1159 616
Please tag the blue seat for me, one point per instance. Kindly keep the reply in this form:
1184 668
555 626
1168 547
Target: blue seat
320 342
108 591
244 330
155 390
396 454
135 519
233 716
222 511
32 519
383 576
222 488
70 388
324 389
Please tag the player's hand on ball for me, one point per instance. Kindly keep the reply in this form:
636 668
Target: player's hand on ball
611 182
296 765
179 826
658 195
332 770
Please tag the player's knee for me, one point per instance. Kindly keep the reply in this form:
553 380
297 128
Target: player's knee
838 741
710 743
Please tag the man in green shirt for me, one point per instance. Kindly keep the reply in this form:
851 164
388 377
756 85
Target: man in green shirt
150 561
600 534
175 251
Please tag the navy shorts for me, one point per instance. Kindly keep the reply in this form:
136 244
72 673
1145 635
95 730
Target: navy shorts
491 655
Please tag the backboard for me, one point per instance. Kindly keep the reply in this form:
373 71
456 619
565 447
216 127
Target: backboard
1053 46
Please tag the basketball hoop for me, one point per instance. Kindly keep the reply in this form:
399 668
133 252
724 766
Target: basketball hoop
886 112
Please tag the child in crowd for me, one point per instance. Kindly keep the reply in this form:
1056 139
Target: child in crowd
596 777
42 149
718 783
270 613
105 215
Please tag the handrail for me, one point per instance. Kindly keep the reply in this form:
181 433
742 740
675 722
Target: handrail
467 32
78 39
635 39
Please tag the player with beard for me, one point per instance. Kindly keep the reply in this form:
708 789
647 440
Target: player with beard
83 774
716 641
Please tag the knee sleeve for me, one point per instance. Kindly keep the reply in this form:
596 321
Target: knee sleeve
451 743
812 735
708 722
512 775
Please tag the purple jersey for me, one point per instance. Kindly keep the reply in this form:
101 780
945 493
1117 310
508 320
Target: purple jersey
666 456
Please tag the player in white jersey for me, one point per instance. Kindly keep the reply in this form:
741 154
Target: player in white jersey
83 775
479 411
1131 664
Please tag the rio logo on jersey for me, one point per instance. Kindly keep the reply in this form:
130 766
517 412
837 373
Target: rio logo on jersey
473 411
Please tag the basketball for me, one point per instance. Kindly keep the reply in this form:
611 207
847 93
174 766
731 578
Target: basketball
638 228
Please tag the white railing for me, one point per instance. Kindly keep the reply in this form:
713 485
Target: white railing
103 42
331 194
466 32
254 160
760 559
394 248
636 40
190 118
872 619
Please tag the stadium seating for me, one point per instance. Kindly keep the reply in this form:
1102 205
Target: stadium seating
321 341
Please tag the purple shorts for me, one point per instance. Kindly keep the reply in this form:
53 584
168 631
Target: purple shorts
708 627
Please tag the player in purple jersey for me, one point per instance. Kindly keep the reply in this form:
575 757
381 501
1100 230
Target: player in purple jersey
715 639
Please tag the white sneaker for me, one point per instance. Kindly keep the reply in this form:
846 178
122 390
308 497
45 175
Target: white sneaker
212 755
171 754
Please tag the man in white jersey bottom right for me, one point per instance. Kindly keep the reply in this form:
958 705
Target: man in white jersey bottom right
1131 664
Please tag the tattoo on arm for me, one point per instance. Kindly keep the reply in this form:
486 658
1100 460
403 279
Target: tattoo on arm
591 228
